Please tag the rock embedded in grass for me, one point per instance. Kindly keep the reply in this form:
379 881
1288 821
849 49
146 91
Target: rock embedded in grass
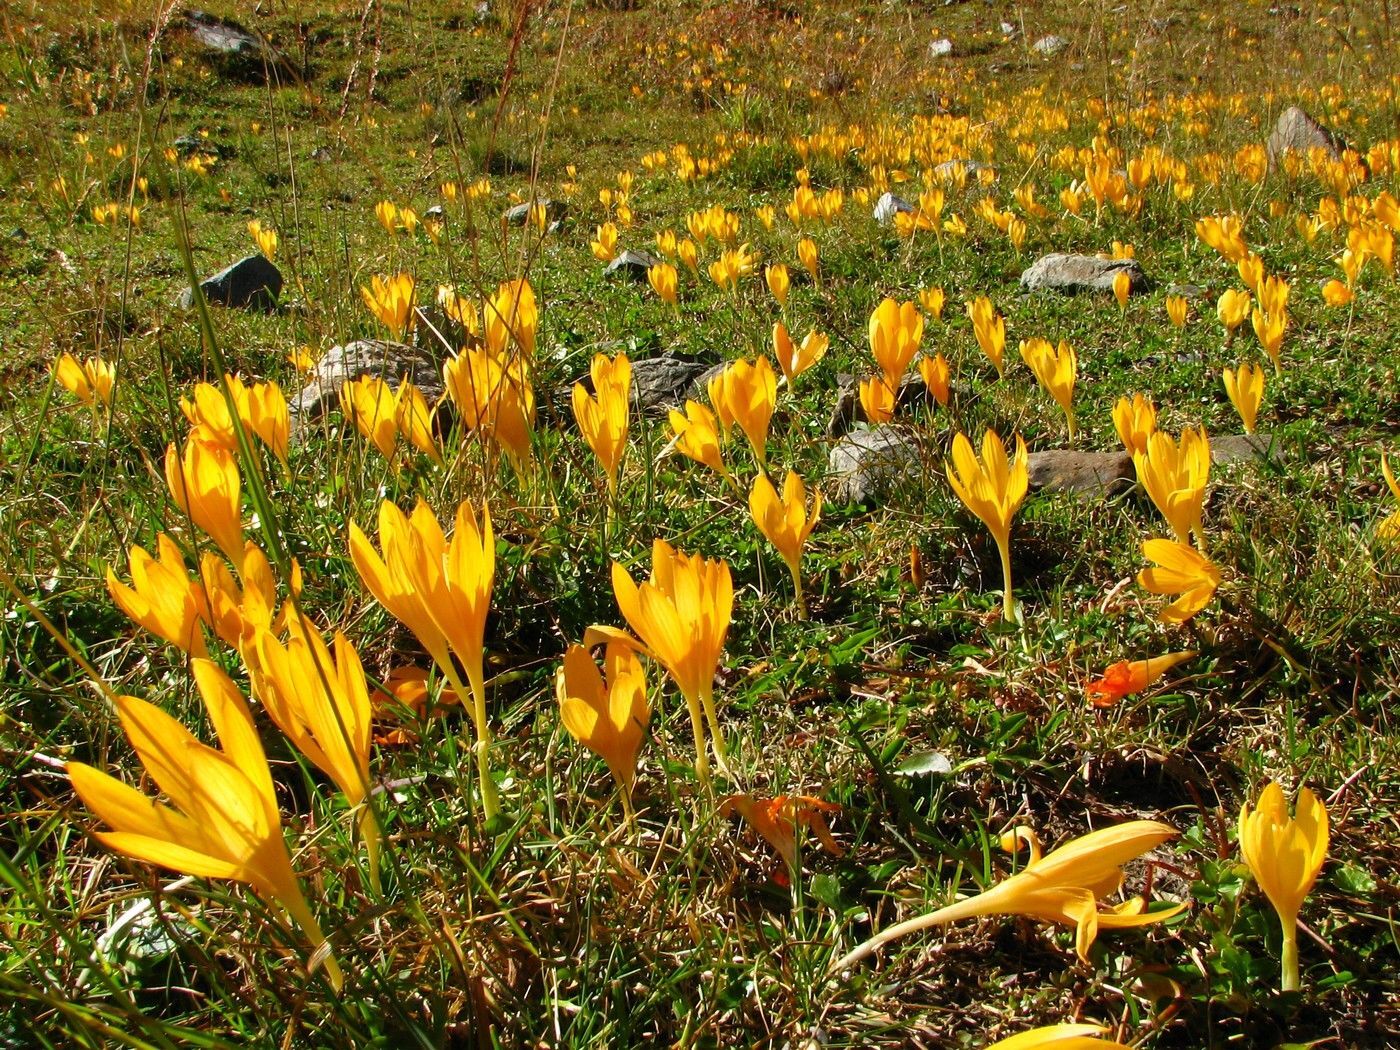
1083 473
239 52
889 205
1083 273
392 362
631 263
554 211
1050 45
659 383
870 463
252 283
1297 132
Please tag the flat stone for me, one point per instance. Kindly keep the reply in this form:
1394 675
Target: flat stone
1050 45
631 263
437 213
553 212
1298 132
1085 473
1189 292
941 48
889 205
659 383
252 283
1240 448
870 462
1083 273
240 52
386 360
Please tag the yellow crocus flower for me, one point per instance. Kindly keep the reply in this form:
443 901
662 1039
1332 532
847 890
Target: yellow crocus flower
993 489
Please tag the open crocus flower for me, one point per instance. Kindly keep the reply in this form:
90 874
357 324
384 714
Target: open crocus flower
1131 676
607 717
1060 1037
222 821
794 359
89 381
1285 855
1175 474
777 820
1056 369
989 327
1063 886
746 393
786 523
512 315
162 598
238 606
663 280
494 395
1180 570
697 435
390 300
993 489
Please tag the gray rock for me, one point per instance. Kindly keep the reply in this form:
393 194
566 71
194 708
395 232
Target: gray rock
870 462
1011 32
1050 45
189 145
252 283
392 362
846 412
553 211
437 213
240 52
631 263
941 48
320 153
660 383
699 389
1189 292
1240 448
1083 273
889 205
1297 132
1085 473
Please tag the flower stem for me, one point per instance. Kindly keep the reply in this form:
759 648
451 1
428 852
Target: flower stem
1008 603
707 697
490 803
1289 981
300 913
697 730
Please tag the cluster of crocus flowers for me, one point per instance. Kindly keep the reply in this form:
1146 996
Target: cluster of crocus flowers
1181 570
441 591
1245 388
746 393
90 381
1285 855
261 409
390 300
989 328
786 522
682 615
796 358
494 399
602 416
1056 369
606 713
1127 677
733 264
385 415
1175 475
993 488
1063 886
222 821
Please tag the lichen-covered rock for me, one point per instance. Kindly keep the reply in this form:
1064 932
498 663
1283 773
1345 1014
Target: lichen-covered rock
871 462
889 205
1083 273
392 362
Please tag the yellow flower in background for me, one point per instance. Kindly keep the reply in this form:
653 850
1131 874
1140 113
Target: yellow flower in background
608 714
935 372
1060 1037
513 315
1176 310
877 399
689 254
390 300
414 420
1063 886
666 243
1285 855
205 485
388 215
896 330
1335 293
90 381
604 243
1245 387
1056 370
990 329
1389 528
222 821
265 237
458 308
809 255
162 598
603 416
495 400
747 393
993 488
794 359
786 522
1268 329
372 406
1224 233
1233 308
1251 271
682 615
1122 287
697 436
1179 570
933 300
767 214
778 281
1135 419
1175 475
662 278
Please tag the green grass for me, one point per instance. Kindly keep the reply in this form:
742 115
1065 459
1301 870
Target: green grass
562 925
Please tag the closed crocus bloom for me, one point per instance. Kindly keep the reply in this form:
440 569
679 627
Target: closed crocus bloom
1269 328
1182 571
808 255
390 300
414 420
89 381
204 484
387 214
933 300
1176 310
935 373
1122 287
993 489
877 399
990 329
1233 308
697 436
1245 386
896 330
682 615
662 278
778 281
1135 419
608 715
602 416
1056 370
1060 1037
786 522
370 404
1063 886
1131 676
1175 475
604 245
162 598
222 820
1285 855
1251 270
513 314
270 419
1389 528
265 237
494 397
689 254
